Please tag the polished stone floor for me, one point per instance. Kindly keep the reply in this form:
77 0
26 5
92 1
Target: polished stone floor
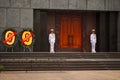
61 75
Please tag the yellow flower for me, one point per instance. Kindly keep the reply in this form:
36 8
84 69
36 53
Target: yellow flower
10 37
27 38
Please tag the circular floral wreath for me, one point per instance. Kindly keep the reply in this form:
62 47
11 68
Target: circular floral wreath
27 38
9 37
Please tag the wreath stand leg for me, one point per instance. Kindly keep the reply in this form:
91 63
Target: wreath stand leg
24 50
6 49
27 49
12 49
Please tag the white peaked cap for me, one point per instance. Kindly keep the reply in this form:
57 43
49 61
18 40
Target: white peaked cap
93 29
51 29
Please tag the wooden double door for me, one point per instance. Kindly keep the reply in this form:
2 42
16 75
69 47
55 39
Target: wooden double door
70 32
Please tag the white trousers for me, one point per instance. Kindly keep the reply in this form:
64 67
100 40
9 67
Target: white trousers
52 47
93 47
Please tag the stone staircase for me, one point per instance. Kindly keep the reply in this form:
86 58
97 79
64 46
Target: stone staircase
42 61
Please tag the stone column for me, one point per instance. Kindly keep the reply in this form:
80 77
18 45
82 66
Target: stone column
36 29
44 43
40 29
118 33
102 29
112 32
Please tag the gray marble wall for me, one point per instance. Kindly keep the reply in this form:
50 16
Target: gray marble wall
19 13
112 5
18 19
12 17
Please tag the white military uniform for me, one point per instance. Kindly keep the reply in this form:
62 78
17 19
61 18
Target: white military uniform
93 41
52 42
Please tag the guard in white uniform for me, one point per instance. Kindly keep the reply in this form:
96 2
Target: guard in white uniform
52 40
93 41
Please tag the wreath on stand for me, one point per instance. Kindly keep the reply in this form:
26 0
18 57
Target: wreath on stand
9 38
27 38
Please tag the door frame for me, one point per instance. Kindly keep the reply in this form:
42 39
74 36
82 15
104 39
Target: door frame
57 28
